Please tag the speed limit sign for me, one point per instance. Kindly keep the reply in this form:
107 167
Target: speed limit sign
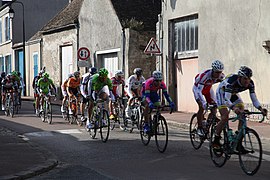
83 53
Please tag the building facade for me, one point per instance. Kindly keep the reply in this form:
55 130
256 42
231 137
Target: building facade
196 32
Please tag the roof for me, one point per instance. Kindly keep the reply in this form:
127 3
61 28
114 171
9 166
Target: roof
145 11
68 16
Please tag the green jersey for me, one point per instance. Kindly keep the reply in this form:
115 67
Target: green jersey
97 84
44 85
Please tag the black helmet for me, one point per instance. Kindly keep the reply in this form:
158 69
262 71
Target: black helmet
3 74
138 71
92 70
245 71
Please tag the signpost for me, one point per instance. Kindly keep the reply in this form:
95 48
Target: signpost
83 55
152 47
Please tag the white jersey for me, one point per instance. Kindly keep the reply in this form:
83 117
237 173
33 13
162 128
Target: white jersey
133 83
83 87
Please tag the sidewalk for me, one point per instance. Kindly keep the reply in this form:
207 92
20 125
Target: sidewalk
21 159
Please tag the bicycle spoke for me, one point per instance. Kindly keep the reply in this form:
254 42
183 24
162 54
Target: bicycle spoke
195 139
161 134
250 152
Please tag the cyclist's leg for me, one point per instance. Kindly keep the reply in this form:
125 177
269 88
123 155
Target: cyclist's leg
82 107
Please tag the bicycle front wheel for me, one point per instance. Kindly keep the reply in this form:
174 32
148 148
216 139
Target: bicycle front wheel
49 113
195 139
104 126
250 152
161 133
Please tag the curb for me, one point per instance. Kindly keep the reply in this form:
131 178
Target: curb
177 124
48 165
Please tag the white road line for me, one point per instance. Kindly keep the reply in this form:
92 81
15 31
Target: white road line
69 131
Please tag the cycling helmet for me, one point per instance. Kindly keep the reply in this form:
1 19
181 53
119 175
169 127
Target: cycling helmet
157 75
103 72
138 71
3 74
217 65
70 75
15 73
45 75
76 74
245 71
118 73
9 75
19 74
92 70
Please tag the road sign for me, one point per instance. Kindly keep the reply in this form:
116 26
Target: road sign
83 53
152 47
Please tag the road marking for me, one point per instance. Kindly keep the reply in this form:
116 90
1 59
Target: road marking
70 131
39 134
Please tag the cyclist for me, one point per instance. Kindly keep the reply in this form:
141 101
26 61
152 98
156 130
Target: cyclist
118 83
83 87
100 86
151 97
44 86
228 98
21 88
64 92
36 94
133 88
203 91
9 84
73 89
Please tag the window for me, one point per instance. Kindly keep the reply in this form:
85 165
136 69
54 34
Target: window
7 28
8 64
186 35
2 64
0 31
35 57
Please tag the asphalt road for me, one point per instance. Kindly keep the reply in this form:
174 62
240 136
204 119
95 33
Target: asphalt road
123 156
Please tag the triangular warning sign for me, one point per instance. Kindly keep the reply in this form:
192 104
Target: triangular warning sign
152 47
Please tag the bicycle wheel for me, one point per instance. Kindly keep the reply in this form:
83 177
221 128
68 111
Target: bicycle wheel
161 133
219 156
11 108
195 139
145 137
49 113
104 125
43 113
250 152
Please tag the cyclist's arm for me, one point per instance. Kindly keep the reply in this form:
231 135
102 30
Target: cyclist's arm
255 101
198 90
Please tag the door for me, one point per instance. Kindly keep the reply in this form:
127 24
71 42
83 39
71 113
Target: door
110 62
35 67
186 70
67 62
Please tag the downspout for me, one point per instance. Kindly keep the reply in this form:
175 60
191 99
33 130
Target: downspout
77 25
124 52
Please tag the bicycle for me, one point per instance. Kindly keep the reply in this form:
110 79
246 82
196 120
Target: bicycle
72 118
100 120
245 142
9 105
46 114
136 115
17 105
158 128
119 112
195 139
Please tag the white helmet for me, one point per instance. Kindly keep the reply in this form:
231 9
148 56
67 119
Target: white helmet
119 73
157 75
217 65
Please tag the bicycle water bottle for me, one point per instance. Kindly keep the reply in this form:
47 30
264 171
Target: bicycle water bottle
230 135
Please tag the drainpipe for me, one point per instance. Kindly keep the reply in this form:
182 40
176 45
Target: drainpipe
124 51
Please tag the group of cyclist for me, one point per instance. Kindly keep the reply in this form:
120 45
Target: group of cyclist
226 97
96 84
11 83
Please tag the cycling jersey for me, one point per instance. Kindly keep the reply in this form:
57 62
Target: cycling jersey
149 91
73 82
44 86
228 89
203 86
83 87
97 84
133 84
116 85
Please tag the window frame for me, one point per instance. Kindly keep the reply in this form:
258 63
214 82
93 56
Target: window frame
185 26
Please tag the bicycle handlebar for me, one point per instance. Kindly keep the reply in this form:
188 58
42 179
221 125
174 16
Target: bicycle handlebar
245 113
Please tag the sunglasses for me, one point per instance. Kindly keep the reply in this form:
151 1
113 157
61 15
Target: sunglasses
218 72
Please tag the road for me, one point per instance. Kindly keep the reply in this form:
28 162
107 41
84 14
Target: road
123 156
